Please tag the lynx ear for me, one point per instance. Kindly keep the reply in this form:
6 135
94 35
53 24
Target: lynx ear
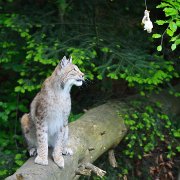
70 59
64 62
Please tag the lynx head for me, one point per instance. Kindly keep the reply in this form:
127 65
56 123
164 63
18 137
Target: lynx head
69 73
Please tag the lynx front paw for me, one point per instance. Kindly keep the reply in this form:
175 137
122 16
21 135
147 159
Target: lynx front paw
40 160
59 161
67 151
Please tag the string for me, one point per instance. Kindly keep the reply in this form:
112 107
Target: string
145 4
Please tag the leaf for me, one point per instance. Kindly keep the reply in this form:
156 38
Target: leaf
100 77
159 48
105 49
178 148
20 81
176 5
17 88
174 38
142 93
156 36
177 42
3 172
176 134
170 11
169 32
19 162
160 22
18 156
173 26
162 5
173 47
178 23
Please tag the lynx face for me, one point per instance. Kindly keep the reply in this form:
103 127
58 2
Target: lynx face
74 76
70 73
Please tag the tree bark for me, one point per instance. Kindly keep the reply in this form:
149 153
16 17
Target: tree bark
97 131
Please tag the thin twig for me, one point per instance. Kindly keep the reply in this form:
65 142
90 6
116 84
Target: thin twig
99 172
162 37
112 159
82 171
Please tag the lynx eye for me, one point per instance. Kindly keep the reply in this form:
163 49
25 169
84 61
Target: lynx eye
75 69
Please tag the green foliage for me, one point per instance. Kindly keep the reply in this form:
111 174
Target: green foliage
152 133
10 158
74 117
171 9
103 38
150 126
43 43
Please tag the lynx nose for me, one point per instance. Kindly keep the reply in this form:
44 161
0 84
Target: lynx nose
82 76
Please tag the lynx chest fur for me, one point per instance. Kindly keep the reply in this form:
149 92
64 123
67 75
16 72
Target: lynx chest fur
58 112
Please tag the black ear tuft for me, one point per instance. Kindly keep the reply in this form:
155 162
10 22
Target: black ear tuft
70 59
64 62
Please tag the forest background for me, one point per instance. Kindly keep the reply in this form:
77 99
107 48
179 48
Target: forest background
108 43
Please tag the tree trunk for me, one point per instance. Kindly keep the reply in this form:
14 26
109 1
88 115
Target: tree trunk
97 131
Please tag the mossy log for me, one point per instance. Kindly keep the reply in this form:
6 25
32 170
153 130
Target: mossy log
98 130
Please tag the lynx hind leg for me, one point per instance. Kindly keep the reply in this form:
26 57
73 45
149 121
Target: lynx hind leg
25 123
28 134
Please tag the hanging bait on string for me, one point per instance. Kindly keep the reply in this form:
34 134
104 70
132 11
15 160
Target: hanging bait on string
148 25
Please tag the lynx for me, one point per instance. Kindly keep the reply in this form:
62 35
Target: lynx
47 123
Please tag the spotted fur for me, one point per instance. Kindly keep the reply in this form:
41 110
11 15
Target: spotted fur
47 123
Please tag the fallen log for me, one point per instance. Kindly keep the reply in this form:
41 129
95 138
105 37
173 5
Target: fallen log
97 131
